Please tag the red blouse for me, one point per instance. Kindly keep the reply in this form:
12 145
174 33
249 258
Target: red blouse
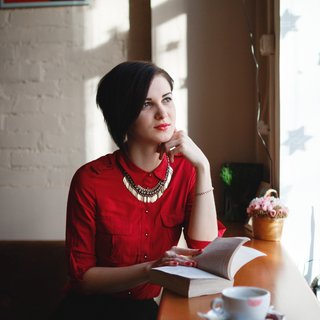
108 226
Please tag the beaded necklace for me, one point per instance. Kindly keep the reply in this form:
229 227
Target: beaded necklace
147 195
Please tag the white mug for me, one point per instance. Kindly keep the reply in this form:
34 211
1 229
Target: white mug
242 303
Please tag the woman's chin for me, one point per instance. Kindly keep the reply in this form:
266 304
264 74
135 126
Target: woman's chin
166 136
164 139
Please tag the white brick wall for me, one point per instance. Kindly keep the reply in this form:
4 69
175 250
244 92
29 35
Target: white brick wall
51 60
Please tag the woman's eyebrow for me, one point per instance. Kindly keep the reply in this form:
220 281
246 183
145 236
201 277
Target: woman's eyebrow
164 95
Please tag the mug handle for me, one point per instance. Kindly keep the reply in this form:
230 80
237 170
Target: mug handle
217 306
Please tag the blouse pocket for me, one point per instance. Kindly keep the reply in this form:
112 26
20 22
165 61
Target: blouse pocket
115 232
114 223
171 220
172 225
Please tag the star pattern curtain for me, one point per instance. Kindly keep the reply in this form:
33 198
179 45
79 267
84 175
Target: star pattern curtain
300 130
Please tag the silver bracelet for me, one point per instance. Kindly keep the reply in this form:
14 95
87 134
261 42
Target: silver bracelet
204 192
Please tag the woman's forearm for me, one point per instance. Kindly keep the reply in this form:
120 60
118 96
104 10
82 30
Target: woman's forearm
111 280
98 280
203 219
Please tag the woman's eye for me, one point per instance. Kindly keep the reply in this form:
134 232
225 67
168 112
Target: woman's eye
146 104
167 99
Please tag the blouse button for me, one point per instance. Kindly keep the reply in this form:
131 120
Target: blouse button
145 257
146 234
147 211
129 293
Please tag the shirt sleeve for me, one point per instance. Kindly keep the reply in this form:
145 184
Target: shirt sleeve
81 226
196 244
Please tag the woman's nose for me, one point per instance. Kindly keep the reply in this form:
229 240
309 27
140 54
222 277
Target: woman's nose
161 111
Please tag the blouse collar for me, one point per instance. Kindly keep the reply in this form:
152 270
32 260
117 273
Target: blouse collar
138 174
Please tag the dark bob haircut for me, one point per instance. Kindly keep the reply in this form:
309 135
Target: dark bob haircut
122 92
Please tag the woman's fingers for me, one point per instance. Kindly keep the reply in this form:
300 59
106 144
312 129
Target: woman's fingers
173 146
178 260
178 256
181 256
186 251
181 143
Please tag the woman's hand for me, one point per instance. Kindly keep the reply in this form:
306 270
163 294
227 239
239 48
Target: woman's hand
180 142
177 256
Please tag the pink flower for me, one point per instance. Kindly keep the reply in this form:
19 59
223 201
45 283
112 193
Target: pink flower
273 213
267 206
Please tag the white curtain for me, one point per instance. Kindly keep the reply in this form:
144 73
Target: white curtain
300 130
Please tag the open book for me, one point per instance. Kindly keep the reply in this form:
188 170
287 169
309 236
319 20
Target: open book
217 266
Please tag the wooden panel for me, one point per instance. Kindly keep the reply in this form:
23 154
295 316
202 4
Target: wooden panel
32 276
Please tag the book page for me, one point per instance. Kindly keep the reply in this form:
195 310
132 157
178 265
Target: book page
243 256
216 257
187 272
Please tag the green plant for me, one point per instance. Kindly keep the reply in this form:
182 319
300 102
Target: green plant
226 175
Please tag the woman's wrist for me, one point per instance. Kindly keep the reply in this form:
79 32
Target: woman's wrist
148 266
204 192
204 181
203 166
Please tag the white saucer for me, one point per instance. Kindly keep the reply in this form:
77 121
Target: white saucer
211 315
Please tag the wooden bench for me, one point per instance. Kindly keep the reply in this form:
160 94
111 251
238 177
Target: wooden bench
32 277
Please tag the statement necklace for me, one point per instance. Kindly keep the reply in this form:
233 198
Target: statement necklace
147 195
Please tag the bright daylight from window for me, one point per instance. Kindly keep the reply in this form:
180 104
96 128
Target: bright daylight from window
300 130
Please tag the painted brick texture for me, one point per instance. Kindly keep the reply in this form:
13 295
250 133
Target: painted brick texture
51 61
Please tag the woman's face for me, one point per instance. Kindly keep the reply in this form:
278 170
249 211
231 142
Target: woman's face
156 121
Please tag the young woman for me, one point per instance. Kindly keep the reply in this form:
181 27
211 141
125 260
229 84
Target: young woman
126 210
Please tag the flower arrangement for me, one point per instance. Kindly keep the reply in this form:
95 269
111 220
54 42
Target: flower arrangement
267 206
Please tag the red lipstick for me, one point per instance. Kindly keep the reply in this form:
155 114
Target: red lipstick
162 126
